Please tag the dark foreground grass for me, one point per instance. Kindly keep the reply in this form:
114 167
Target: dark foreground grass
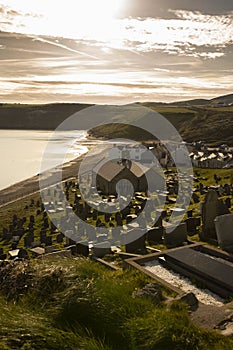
77 304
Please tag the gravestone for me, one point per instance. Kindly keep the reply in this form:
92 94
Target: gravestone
48 241
116 231
69 242
125 212
135 241
223 209
43 237
8 236
224 230
28 241
214 273
20 232
14 245
177 237
16 239
228 202
82 248
102 237
60 238
142 221
201 188
37 251
192 224
101 249
227 189
155 235
91 233
94 215
72 248
35 244
119 220
4 232
162 213
13 254
211 208
23 254
50 249
107 217
195 198
46 223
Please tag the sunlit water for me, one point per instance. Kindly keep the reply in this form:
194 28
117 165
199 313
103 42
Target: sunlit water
22 151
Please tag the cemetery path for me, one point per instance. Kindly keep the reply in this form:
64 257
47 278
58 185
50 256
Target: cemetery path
212 317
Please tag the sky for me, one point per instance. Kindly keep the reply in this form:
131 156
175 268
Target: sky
115 51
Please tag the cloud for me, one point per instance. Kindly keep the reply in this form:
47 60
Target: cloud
57 44
36 70
183 34
135 59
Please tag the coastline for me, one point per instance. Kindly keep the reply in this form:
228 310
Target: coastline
31 185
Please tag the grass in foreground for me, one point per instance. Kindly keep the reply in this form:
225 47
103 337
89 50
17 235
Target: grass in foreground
77 304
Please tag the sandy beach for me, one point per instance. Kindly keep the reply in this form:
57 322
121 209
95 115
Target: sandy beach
31 185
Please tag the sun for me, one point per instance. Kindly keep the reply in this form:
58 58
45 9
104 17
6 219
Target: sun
67 18
90 17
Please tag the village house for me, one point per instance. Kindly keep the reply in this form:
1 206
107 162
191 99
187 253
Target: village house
213 158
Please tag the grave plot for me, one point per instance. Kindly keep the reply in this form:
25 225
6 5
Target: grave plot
195 268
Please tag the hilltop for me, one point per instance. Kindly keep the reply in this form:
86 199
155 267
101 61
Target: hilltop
225 99
36 117
209 124
200 119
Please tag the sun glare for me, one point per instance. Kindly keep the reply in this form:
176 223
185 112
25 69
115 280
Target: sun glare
70 18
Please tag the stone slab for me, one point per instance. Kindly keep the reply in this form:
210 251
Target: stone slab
204 265
224 229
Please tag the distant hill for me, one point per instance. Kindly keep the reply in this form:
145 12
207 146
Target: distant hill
195 102
36 117
212 125
197 119
223 99
228 99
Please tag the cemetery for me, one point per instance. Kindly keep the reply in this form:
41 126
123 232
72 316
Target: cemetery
27 229
194 261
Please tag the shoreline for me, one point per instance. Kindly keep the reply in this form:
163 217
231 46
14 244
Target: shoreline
30 185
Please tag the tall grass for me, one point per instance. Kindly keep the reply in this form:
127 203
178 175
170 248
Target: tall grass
78 304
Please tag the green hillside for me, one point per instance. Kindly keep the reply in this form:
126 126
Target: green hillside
36 117
213 125
207 123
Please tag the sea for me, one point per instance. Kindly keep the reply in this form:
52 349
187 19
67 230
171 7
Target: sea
22 151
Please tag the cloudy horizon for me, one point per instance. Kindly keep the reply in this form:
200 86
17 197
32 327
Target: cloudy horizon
115 51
